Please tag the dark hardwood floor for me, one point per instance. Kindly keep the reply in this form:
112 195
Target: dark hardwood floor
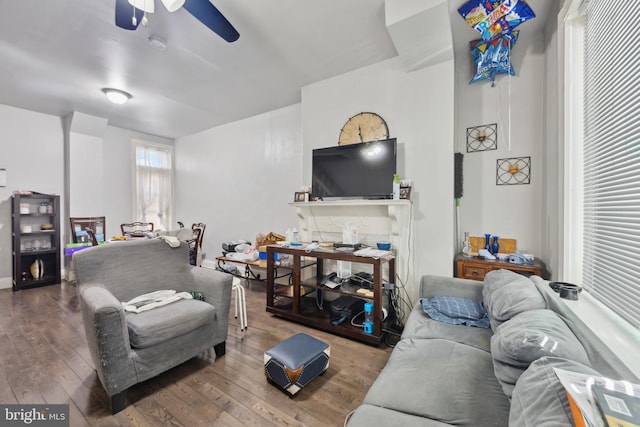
44 359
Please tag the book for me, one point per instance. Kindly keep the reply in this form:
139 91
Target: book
618 409
587 408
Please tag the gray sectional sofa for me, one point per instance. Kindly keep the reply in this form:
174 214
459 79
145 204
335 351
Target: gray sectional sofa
442 374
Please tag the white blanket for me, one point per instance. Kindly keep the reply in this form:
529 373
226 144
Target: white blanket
171 241
154 299
237 256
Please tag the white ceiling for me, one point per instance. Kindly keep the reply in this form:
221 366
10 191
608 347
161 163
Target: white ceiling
57 55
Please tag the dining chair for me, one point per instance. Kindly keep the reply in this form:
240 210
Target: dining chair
195 244
79 225
92 236
136 228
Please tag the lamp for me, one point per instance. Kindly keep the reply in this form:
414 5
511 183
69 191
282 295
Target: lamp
116 96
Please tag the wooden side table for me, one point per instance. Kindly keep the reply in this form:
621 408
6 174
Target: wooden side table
475 268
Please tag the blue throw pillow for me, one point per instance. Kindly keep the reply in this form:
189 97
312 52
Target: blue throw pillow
456 311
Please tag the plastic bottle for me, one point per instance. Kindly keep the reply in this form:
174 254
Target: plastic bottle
466 246
368 318
396 187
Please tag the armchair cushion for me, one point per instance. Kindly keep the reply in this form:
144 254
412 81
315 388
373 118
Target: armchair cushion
164 323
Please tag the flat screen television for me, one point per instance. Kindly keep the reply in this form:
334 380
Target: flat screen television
356 170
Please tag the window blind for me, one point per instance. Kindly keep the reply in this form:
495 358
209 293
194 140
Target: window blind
611 264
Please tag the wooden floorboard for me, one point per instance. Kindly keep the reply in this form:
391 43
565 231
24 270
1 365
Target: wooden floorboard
44 358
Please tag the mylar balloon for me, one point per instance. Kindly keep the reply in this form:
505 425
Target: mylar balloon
492 57
495 18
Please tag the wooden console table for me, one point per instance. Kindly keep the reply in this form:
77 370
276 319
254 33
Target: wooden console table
296 300
475 268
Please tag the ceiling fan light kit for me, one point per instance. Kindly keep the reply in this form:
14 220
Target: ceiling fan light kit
130 13
116 96
173 5
144 5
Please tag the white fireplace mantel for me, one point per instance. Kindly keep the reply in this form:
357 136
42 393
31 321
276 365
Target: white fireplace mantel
376 220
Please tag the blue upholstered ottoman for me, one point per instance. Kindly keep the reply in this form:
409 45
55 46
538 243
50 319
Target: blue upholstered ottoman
294 362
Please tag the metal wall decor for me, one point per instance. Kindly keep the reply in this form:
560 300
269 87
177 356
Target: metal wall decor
482 138
513 171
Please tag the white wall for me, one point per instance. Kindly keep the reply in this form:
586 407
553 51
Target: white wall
87 178
239 178
418 108
509 211
552 152
32 152
117 167
100 171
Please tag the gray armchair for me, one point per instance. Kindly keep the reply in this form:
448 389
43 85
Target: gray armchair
128 348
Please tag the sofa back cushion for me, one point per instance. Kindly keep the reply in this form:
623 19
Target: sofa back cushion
527 337
506 294
539 399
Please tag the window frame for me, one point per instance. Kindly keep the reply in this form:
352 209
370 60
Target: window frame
134 185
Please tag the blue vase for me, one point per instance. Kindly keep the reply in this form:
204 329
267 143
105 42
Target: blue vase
495 246
487 242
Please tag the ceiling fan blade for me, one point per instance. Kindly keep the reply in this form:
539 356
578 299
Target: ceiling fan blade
124 13
210 16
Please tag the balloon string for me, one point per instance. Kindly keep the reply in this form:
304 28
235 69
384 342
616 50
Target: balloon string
509 92
499 105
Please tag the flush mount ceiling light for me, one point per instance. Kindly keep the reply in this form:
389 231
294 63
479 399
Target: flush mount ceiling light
116 96
157 43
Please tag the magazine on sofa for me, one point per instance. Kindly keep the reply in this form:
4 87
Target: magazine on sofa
601 402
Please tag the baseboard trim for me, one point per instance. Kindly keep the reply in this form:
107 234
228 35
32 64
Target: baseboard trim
6 283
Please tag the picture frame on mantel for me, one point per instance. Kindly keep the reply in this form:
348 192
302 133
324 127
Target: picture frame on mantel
405 192
300 196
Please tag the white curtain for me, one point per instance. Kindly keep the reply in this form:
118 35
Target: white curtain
154 190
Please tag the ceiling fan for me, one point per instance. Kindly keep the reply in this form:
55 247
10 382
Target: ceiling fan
131 13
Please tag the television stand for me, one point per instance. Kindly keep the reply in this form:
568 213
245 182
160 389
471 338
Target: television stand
296 299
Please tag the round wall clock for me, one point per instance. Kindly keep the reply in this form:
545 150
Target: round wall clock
363 127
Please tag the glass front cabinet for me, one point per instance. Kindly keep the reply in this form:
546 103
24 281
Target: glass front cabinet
36 240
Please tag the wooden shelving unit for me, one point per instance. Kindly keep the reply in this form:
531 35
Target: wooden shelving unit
295 300
34 244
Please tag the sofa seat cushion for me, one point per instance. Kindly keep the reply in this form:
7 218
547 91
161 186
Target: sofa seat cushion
161 324
369 415
420 326
506 294
528 337
539 399
441 380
